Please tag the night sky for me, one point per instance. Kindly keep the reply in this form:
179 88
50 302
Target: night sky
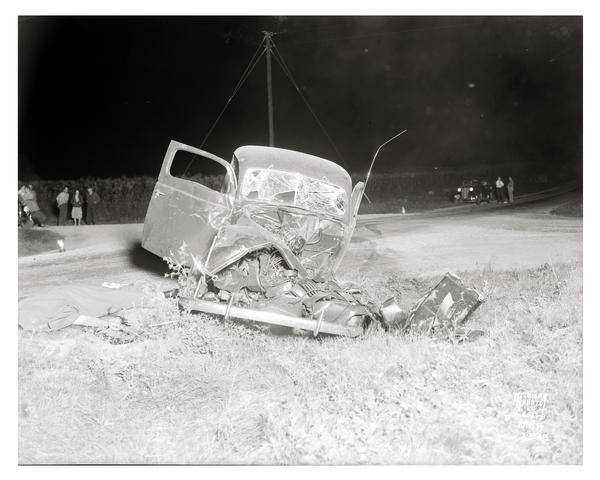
103 96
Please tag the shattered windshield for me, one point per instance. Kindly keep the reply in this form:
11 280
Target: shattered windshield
293 189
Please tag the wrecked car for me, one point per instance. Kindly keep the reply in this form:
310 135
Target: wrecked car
265 244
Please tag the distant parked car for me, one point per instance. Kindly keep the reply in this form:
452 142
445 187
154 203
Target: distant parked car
474 190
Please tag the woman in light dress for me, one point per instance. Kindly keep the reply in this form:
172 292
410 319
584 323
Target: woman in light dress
77 211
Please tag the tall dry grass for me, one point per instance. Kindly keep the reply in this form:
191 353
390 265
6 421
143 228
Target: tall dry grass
204 391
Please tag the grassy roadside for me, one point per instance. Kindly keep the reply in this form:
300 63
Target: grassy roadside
202 391
573 208
33 241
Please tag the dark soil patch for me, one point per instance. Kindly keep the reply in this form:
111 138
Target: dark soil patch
33 241
573 208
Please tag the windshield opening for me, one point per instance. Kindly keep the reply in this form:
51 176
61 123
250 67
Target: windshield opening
293 189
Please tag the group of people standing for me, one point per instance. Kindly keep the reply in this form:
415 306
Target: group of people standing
63 200
29 210
501 190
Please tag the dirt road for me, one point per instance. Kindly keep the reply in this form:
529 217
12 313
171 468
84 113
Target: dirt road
469 237
454 239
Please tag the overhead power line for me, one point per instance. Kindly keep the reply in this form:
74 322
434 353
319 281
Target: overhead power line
245 74
277 55
253 62
271 47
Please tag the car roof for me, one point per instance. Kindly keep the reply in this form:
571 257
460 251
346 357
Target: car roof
255 156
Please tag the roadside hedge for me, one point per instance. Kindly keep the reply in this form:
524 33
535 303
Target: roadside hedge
125 199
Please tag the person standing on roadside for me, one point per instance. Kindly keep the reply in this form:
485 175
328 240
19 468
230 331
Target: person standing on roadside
77 210
500 191
92 201
511 189
30 205
62 201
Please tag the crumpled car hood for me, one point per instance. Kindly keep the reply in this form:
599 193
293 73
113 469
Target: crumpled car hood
308 243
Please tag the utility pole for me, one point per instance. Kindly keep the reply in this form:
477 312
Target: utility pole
268 36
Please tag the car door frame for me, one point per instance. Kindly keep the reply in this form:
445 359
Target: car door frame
185 212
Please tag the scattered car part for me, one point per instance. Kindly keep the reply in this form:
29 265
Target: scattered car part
315 326
444 307
392 315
